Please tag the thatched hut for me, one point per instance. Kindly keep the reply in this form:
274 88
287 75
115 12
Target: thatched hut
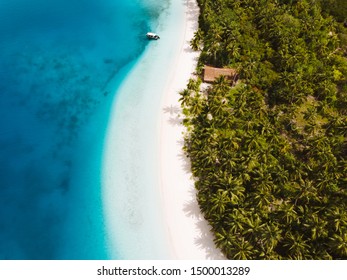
211 73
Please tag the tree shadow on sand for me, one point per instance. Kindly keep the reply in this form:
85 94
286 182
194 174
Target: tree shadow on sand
185 161
192 11
192 15
190 50
175 121
172 110
175 118
204 240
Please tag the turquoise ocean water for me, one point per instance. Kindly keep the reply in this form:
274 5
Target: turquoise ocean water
61 62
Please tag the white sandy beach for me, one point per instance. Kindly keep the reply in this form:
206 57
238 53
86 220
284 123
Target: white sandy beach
189 233
148 193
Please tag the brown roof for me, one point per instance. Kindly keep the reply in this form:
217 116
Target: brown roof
211 73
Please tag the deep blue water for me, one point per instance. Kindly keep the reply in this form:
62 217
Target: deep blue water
60 64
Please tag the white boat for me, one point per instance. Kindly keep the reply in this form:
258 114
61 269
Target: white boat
151 35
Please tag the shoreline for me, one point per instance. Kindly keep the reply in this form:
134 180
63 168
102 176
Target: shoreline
130 173
145 217
189 233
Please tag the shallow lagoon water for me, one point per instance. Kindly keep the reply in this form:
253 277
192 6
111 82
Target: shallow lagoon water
132 182
61 63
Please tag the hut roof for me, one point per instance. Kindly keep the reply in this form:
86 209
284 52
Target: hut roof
211 73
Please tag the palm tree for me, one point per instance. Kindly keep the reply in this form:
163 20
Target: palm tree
221 85
338 243
338 219
287 213
241 249
235 221
196 42
270 236
296 246
262 197
185 97
307 192
196 105
316 225
253 226
219 201
234 50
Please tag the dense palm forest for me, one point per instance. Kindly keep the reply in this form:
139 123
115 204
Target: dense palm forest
268 153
